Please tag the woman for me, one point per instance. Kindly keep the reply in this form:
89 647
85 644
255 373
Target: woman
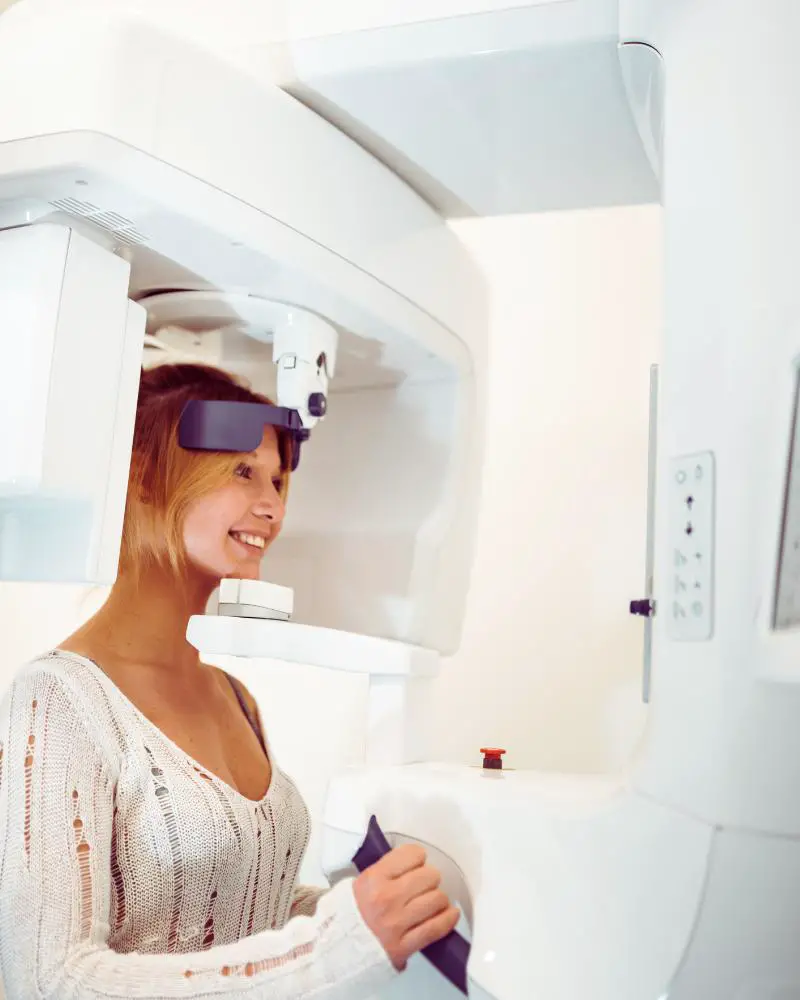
150 845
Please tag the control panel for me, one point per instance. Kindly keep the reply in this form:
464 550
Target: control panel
689 577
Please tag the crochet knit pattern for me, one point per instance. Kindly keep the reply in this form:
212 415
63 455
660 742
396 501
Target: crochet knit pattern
128 870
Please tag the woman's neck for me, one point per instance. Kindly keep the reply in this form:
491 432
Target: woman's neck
144 619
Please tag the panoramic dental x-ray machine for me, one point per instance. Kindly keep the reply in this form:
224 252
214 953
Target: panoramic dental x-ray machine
162 196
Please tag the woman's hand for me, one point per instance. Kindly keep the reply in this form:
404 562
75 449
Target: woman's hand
402 904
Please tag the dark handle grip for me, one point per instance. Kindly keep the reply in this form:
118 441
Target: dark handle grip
450 955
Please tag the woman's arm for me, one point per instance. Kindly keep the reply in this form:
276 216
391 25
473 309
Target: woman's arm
56 810
305 900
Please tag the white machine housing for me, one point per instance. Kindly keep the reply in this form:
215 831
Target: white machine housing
681 879
64 446
203 179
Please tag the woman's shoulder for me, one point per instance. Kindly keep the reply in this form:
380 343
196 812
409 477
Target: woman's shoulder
71 689
57 667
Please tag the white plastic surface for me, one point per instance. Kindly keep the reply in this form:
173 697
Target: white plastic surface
787 594
579 888
745 942
645 79
257 594
690 604
67 399
299 338
191 119
486 114
32 267
217 635
723 741
171 170
318 17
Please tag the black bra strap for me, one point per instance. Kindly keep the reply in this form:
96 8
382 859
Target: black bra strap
250 715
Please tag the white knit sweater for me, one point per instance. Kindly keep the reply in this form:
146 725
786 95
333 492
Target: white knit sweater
127 870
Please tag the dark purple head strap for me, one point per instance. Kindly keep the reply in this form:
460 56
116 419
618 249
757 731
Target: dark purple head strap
226 425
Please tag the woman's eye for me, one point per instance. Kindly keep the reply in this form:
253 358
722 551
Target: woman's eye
244 471
278 484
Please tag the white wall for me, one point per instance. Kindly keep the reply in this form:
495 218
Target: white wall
36 617
550 663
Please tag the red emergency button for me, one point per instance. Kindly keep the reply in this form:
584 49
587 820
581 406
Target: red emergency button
492 758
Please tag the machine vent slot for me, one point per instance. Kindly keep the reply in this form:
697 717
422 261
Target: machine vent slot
123 229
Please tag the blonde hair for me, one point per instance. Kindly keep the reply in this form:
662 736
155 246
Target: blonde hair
165 478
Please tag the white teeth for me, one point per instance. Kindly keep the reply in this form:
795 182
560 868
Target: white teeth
255 540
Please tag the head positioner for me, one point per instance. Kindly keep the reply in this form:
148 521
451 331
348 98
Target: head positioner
230 425
304 353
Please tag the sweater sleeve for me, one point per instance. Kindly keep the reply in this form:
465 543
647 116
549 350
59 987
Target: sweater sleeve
305 900
57 794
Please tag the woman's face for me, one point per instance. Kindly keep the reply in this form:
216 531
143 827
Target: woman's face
227 532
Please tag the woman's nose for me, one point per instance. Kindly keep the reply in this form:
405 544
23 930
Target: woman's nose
270 506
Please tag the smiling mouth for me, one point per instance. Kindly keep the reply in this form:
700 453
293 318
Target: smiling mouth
255 542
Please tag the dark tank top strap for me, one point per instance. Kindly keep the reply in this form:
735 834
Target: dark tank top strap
250 715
